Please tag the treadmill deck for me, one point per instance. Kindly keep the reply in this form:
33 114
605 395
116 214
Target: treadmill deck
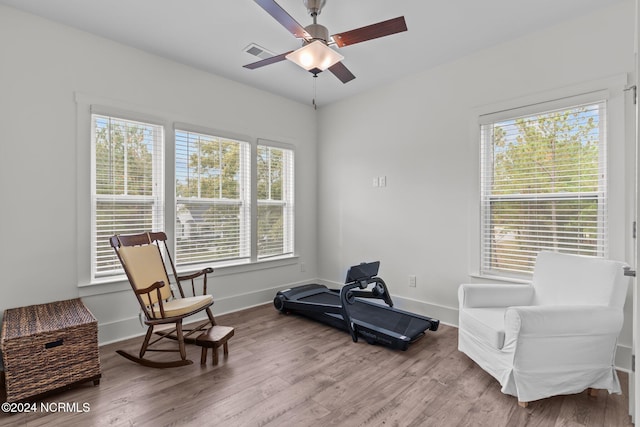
376 323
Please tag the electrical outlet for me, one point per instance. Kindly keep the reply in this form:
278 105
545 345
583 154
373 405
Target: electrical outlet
376 182
412 281
303 268
382 181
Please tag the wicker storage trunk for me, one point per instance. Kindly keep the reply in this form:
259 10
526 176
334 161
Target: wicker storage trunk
48 347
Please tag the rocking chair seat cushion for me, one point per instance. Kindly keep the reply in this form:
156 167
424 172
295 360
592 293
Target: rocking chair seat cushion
181 306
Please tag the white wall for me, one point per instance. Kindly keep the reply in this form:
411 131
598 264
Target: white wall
44 173
416 132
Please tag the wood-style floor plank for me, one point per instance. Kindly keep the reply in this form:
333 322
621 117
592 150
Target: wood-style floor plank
291 371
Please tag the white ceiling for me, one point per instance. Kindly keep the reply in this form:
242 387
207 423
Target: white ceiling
211 34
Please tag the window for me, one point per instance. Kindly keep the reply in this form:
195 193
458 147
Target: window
234 199
275 201
127 189
543 185
213 214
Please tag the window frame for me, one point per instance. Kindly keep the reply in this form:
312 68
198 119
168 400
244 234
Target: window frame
488 200
156 199
244 202
288 200
86 105
611 90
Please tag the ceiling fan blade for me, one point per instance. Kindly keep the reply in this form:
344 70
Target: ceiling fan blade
281 15
373 31
341 72
267 61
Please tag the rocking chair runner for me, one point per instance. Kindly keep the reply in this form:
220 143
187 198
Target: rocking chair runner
141 258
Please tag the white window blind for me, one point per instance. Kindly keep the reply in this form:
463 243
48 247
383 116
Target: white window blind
128 187
275 190
213 210
543 186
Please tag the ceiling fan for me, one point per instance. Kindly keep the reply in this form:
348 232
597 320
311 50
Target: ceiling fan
315 55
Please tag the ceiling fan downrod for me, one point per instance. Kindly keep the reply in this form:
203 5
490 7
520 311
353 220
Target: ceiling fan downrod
314 7
315 30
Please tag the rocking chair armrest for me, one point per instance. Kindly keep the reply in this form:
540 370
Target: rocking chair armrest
147 291
192 278
156 285
197 274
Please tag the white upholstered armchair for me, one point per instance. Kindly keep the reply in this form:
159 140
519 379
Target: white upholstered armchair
557 335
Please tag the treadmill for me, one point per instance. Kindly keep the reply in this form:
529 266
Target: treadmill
348 309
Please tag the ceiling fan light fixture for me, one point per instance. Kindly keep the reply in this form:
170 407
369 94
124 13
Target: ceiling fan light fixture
315 56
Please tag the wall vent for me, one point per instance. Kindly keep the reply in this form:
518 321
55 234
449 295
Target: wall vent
258 51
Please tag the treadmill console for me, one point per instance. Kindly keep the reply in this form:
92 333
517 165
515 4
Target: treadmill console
363 272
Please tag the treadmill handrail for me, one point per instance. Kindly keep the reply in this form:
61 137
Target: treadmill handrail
383 295
344 293
348 292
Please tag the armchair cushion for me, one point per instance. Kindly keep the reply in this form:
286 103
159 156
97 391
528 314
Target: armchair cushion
483 306
562 279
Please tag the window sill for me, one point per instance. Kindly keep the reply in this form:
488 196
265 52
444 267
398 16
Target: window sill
500 278
119 283
241 267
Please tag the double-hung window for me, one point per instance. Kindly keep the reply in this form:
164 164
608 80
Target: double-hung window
213 199
543 184
127 186
275 201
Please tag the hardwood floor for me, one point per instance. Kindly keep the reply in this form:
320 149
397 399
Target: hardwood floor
290 371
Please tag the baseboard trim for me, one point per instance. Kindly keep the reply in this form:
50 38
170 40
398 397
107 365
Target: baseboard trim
623 358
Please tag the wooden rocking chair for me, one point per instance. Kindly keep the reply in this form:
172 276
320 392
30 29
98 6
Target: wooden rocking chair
141 258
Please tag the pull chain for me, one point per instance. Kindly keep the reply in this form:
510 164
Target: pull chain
315 92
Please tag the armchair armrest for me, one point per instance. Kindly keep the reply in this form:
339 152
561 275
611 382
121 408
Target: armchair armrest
563 320
475 295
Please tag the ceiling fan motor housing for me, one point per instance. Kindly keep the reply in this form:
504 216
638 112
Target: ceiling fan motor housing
317 32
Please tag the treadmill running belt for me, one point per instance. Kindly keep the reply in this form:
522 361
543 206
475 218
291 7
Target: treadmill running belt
399 323
323 298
